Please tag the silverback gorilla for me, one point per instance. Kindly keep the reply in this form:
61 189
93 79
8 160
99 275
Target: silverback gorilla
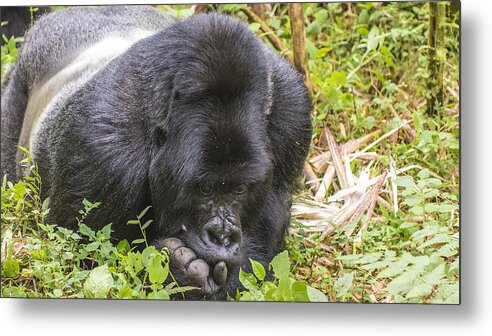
196 118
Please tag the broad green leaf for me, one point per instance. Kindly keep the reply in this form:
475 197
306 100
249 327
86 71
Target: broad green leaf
344 284
98 283
255 26
159 295
10 268
373 38
419 291
92 246
339 78
123 247
435 276
157 272
87 231
247 280
281 264
258 269
406 182
284 288
300 292
315 295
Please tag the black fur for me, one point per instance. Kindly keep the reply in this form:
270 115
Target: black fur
198 119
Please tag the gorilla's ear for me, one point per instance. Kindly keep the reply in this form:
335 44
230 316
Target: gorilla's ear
160 135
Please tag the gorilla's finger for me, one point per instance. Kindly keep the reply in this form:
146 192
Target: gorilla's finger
182 257
172 243
220 273
197 272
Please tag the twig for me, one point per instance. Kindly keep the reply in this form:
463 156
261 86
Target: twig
394 130
270 34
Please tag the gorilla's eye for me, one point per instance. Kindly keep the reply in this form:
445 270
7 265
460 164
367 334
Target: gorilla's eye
240 189
206 190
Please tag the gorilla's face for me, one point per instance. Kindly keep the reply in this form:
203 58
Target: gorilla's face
215 169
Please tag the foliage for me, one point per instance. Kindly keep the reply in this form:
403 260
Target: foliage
284 286
42 260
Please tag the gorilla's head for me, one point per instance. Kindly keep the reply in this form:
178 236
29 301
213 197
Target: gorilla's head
211 165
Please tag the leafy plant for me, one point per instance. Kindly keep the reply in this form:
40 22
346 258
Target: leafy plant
283 287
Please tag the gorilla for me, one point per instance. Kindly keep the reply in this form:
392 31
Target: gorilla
196 118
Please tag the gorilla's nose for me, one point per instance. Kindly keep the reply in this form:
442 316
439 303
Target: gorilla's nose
223 233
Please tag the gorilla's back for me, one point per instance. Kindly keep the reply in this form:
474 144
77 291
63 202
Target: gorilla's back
62 51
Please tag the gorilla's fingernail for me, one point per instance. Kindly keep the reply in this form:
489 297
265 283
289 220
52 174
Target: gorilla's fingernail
172 244
183 256
220 273
184 228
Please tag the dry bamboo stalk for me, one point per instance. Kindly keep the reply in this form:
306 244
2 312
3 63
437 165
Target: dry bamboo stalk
368 156
409 132
325 184
336 158
374 196
383 202
270 34
340 218
320 162
311 177
394 190
345 192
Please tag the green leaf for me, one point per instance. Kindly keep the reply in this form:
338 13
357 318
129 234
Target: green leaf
10 268
159 295
98 283
258 269
339 78
92 246
147 223
284 288
344 284
106 231
316 295
419 291
123 247
406 182
435 276
255 26
138 241
373 39
86 231
144 211
247 280
281 264
299 292
133 222
157 272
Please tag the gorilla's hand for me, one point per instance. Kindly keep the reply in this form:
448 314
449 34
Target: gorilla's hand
191 271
